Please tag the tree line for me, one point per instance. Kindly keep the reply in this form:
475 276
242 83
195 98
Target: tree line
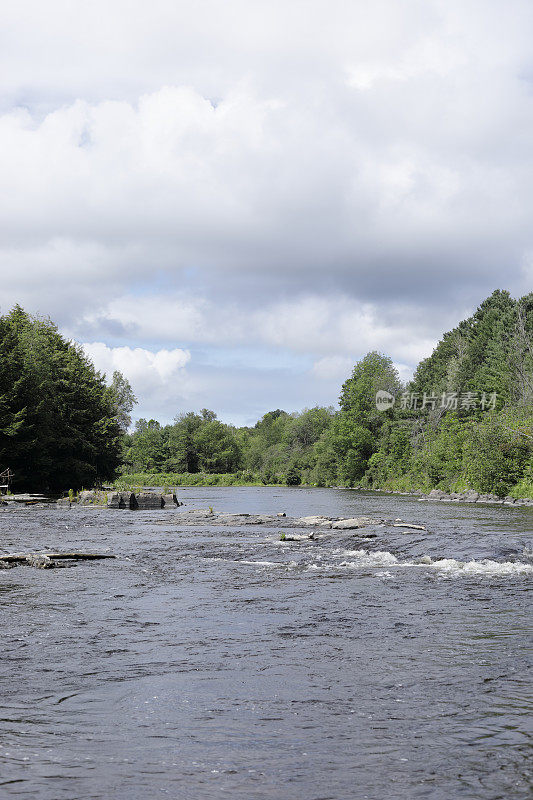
464 421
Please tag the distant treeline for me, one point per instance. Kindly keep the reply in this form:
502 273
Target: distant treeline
465 421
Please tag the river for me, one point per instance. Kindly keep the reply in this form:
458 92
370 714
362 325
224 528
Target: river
222 662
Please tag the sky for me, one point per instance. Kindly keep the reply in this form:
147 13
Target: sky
232 202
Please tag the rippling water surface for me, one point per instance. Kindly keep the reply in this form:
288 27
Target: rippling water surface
221 662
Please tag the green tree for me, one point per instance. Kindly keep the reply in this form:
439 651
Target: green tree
293 477
147 449
183 444
358 424
59 426
123 398
217 446
499 451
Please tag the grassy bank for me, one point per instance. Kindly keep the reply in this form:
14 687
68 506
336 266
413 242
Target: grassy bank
188 479
403 483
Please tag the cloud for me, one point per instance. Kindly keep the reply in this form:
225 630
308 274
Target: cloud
169 380
308 324
136 363
174 183
332 368
312 180
158 379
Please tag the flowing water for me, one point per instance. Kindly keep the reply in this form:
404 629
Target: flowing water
222 662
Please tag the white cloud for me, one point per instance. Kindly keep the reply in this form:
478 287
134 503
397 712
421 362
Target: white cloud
335 326
256 183
137 364
158 379
315 178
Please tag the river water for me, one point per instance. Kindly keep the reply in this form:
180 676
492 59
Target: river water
222 662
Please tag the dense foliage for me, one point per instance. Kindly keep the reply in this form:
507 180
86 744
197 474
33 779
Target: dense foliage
464 421
480 437
472 442
58 420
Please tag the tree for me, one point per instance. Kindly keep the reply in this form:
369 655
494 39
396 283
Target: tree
392 459
293 477
358 396
182 442
356 429
123 398
59 425
521 352
217 446
147 449
499 451
306 428
476 356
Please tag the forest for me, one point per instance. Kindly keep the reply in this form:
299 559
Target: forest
465 421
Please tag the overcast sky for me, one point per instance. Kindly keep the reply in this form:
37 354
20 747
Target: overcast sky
232 202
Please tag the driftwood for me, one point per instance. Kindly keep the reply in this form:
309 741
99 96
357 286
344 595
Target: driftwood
47 560
408 525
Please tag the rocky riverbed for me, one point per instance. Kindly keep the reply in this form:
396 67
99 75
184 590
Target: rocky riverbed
471 496
317 525
468 496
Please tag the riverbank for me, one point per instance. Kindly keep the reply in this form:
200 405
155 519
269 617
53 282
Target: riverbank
152 496
521 494
470 496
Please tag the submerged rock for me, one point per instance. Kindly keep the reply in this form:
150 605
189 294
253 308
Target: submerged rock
49 559
40 561
355 522
315 520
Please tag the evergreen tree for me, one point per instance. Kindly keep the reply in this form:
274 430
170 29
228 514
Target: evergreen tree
58 428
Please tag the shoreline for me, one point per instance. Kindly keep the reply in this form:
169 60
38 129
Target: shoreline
151 497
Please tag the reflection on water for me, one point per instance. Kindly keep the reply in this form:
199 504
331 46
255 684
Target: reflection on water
209 663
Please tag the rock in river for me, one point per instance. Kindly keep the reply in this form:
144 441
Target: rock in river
355 522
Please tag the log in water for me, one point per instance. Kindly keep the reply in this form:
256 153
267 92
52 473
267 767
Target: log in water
47 559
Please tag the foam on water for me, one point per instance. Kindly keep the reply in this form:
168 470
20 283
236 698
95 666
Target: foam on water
484 567
447 566
379 559
286 564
